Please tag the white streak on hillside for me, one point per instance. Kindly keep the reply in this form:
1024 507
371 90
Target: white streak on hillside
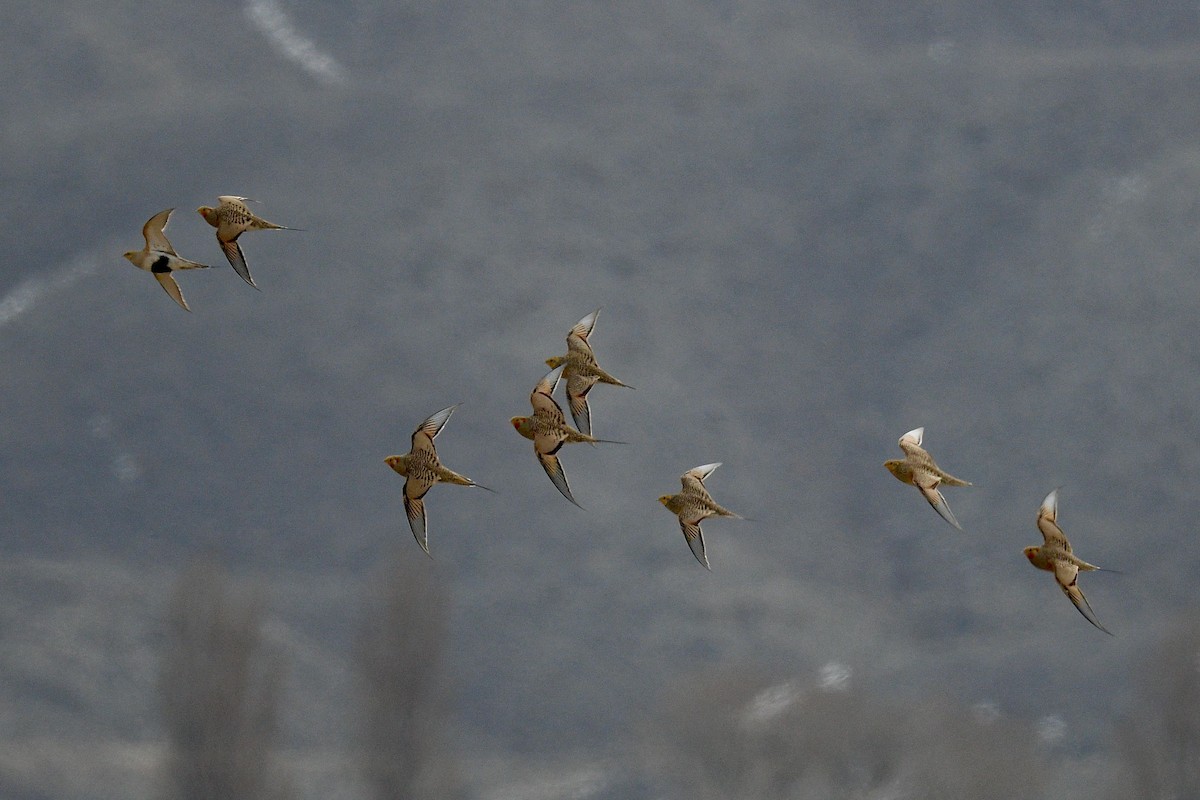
566 784
31 290
768 704
835 677
1051 729
268 17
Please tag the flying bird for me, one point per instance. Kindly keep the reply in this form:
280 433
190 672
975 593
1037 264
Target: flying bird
693 505
581 371
1055 556
232 218
159 258
917 469
548 429
423 469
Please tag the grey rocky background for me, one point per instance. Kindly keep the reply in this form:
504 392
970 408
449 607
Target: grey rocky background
811 227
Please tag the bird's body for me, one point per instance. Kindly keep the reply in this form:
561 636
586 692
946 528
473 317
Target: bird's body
918 469
692 505
232 218
549 431
423 470
1055 556
581 371
159 258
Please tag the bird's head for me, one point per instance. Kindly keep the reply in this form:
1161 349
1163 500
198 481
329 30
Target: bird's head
396 463
895 466
1032 552
556 361
523 426
131 254
666 500
209 213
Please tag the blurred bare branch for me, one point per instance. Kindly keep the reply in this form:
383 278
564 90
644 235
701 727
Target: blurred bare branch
1158 744
219 692
398 658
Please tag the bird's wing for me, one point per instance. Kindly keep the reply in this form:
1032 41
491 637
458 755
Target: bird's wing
698 474
153 233
233 252
583 329
575 344
546 385
695 540
913 437
428 430
915 454
581 413
554 469
578 387
547 407
936 499
414 507
1047 522
1067 575
169 285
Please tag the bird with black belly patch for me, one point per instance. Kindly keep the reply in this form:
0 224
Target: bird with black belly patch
159 258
